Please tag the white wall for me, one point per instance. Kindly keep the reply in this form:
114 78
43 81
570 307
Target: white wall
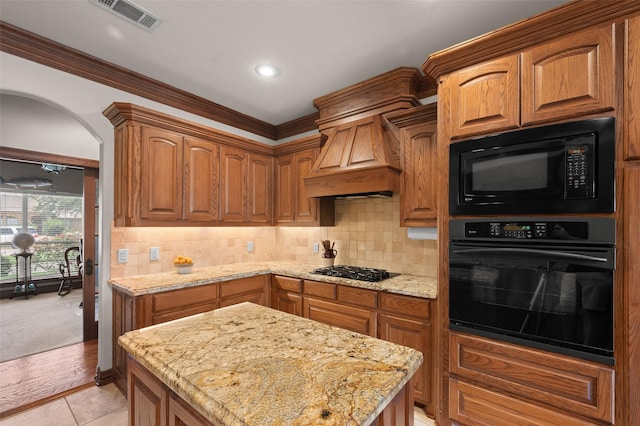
85 100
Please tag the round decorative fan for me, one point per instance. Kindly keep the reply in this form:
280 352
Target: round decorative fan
23 241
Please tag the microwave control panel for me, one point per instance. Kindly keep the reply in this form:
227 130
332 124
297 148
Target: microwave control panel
579 170
528 230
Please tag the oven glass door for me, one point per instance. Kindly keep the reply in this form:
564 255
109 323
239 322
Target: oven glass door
553 298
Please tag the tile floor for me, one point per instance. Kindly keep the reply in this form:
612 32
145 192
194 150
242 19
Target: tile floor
94 406
100 406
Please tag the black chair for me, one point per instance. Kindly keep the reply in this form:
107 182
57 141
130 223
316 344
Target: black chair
71 270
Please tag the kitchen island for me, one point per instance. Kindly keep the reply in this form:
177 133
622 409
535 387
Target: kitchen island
251 365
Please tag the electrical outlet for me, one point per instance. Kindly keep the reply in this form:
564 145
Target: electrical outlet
316 248
154 253
250 246
123 255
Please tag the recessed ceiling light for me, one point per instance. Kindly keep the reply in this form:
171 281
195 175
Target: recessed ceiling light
266 70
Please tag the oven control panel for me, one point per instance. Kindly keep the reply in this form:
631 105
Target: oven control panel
527 230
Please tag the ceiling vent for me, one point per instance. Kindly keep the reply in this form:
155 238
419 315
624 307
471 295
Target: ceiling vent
130 12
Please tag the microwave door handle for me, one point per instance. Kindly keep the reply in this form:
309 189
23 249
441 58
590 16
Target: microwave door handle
534 252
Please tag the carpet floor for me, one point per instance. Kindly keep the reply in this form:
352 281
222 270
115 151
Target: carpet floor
40 323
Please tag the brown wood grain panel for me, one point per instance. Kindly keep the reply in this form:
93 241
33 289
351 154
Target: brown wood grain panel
476 406
406 305
279 282
568 77
485 97
233 176
147 397
235 287
355 319
568 384
181 414
45 157
316 288
201 179
178 299
632 90
417 335
260 189
357 296
630 348
287 301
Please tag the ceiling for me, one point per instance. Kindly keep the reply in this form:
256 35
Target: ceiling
211 47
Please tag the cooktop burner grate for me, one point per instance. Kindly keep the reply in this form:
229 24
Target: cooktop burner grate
355 273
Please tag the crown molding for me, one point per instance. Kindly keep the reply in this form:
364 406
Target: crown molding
30 46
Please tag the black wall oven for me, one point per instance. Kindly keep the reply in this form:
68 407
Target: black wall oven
540 282
562 168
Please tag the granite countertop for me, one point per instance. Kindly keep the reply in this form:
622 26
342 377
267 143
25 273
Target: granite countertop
410 285
250 365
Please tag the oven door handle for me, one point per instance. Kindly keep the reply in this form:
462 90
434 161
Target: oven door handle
545 253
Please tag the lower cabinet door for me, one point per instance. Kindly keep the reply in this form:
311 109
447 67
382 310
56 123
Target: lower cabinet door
147 397
180 414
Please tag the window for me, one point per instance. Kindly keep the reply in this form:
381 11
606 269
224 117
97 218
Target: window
55 221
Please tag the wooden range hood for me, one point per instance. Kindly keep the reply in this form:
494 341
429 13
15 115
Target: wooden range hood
360 155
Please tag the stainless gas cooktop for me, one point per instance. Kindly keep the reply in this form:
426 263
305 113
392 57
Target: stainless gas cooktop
355 273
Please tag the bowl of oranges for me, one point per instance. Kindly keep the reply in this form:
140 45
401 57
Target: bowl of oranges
183 264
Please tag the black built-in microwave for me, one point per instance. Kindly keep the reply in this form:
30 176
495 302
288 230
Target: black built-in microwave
561 168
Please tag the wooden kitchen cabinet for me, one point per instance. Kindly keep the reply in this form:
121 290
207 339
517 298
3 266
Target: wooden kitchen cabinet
406 320
571 76
568 77
161 178
415 130
293 162
344 311
251 289
170 172
286 294
182 414
521 385
147 397
631 140
201 180
233 184
246 194
485 97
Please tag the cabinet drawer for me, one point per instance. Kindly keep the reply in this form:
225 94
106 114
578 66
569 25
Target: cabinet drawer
406 305
566 383
179 299
357 296
315 288
472 405
286 283
355 319
242 285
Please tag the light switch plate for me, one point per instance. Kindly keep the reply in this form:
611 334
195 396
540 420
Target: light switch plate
154 253
123 255
250 246
316 248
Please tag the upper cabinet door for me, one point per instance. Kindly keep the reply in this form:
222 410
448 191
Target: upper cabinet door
285 189
160 174
485 97
201 176
260 189
568 77
420 176
306 208
233 178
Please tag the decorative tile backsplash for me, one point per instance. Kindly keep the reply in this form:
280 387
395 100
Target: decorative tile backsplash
367 233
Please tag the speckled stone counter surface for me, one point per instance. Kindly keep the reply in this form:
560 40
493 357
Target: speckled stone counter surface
251 365
411 285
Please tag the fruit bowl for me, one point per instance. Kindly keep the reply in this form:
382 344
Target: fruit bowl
184 268
183 264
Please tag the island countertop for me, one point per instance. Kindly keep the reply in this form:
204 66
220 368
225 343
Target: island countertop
410 285
250 365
